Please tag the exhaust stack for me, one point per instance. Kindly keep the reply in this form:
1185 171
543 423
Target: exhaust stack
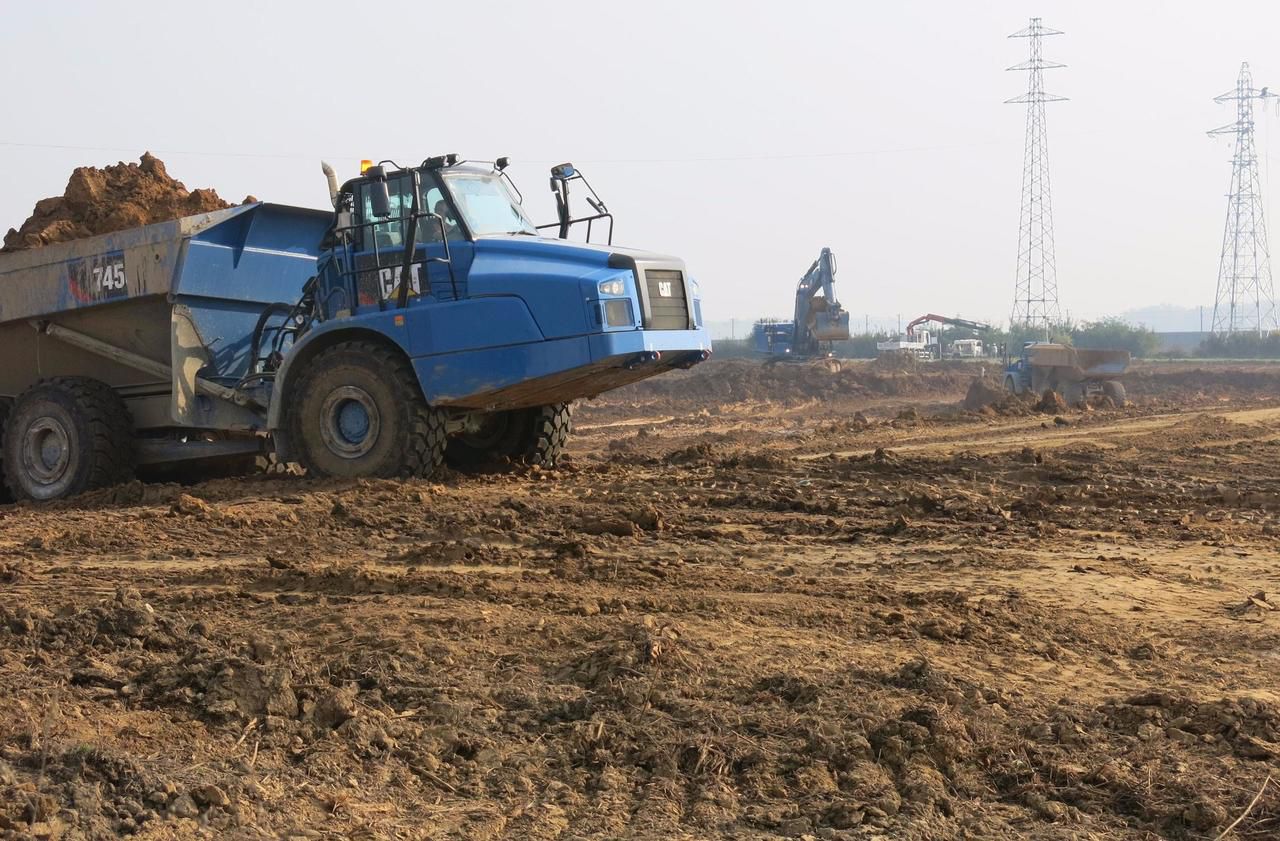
333 181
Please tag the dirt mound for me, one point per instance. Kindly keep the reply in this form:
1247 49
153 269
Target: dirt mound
741 380
983 392
1051 403
114 198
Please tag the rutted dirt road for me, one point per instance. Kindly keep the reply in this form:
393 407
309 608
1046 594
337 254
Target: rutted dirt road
849 611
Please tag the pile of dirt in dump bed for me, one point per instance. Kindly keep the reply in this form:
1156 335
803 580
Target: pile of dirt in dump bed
114 198
736 380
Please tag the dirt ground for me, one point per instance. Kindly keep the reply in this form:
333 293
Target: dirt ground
745 609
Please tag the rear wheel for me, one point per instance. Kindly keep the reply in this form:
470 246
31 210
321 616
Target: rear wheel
1116 391
533 436
360 413
548 434
66 436
5 406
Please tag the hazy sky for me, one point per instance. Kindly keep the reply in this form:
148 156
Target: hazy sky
741 136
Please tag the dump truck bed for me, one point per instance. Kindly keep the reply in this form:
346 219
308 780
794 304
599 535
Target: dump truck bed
214 272
1079 364
141 262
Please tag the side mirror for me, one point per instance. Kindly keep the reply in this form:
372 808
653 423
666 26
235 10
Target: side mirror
379 198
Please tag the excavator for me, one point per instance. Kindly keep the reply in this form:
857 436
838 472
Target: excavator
818 320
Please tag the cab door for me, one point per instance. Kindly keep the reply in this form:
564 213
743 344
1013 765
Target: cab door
379 247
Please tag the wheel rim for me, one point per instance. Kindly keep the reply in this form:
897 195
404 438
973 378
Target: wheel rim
46 450
349 422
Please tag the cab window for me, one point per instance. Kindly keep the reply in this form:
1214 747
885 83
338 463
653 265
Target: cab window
390 234
429 229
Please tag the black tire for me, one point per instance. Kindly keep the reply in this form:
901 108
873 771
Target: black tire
401 435
1116 391
5 406
529 436
549 430
65 436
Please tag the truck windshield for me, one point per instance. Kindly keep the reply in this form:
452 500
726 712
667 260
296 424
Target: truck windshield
487 205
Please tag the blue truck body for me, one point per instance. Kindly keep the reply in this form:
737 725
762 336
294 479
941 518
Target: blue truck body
209 324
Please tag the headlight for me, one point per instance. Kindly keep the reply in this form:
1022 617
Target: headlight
613 287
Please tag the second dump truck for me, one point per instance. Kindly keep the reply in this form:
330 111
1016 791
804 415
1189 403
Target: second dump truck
425 317
1074 373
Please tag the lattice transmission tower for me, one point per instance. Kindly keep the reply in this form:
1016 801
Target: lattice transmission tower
1245 302
1035 299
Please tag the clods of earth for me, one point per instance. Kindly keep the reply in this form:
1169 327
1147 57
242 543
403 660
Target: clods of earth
753 611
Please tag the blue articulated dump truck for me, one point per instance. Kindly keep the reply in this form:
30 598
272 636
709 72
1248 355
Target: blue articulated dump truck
424 318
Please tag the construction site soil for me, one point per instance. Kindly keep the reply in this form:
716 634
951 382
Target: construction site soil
754 603
114 198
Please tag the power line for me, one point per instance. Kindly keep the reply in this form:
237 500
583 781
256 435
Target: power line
770 156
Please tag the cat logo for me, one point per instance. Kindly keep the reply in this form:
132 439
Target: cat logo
664 288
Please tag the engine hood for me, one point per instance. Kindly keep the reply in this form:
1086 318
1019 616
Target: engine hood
587 253
558 280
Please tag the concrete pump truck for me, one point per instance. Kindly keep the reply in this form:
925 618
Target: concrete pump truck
424 318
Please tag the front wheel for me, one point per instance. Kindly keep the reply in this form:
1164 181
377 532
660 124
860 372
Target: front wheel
359 413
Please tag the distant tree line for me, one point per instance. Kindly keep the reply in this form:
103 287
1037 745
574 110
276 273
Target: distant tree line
1111 333
1241 346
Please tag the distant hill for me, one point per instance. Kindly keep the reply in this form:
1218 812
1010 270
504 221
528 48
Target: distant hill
1167 318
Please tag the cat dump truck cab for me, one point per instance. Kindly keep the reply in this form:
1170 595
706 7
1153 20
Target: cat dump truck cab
423 319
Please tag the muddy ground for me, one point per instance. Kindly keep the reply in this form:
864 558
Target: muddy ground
851 610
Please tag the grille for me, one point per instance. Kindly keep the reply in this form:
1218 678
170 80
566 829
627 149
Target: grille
668 311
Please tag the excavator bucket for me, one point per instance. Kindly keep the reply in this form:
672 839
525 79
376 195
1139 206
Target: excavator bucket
831 326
